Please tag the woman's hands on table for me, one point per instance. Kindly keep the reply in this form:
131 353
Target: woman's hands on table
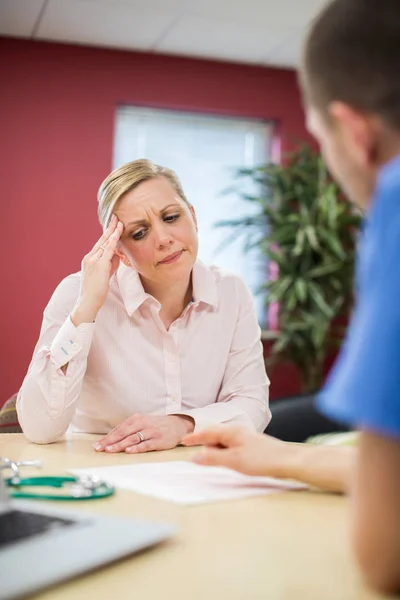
145 433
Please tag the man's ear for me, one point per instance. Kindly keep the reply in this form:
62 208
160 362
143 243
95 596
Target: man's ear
123 258
194 216
357 129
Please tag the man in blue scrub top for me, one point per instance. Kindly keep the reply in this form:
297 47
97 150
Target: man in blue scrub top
363 389
350 78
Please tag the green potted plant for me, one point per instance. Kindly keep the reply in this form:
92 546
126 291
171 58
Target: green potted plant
307 229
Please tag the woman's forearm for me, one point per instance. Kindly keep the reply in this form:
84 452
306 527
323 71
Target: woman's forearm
47 401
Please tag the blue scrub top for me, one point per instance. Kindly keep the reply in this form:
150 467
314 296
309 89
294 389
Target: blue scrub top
363 388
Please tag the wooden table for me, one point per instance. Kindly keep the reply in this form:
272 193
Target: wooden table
285 546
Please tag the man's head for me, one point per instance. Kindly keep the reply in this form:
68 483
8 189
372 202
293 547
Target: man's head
350 78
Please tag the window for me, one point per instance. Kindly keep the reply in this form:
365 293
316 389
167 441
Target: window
204 151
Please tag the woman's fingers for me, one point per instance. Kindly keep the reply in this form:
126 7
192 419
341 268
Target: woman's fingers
131 440
148 446
102 241
109 249
145 438
141 433
97 273
125 429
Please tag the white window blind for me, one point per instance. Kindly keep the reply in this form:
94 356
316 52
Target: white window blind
204 151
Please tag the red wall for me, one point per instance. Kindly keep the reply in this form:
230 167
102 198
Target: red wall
57 106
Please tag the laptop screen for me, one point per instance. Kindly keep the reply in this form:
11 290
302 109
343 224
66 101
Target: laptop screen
16 525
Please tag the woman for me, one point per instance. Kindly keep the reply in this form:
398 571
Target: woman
146 343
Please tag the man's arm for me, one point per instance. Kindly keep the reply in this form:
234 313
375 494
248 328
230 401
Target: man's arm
326 467
371 472
376 511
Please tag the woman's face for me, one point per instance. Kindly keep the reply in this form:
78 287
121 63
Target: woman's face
160 232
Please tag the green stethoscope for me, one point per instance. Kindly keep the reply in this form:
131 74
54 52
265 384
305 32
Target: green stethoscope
85 487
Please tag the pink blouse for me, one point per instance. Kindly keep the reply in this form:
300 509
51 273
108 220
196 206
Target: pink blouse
208 365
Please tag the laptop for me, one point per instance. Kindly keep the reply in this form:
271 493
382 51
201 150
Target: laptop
41 545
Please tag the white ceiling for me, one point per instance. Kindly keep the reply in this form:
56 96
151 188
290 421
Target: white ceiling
266 32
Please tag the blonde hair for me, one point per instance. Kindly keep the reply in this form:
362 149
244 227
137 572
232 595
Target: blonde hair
128 177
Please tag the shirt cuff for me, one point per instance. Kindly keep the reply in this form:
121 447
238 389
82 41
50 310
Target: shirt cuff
70 342
216 414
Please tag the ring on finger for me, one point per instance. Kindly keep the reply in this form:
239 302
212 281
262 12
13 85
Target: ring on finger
140 436
102 248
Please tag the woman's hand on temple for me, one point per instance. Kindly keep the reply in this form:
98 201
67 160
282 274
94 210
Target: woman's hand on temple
98 266
145 433
240 449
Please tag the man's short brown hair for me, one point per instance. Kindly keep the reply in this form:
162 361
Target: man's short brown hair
352 54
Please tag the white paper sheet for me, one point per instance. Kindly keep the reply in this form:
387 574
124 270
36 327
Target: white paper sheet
188 483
